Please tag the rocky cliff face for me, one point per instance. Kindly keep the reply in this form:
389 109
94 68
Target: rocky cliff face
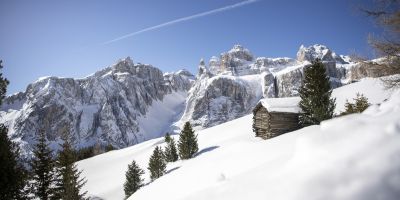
127 103
236 80
216 99
103 108
318 51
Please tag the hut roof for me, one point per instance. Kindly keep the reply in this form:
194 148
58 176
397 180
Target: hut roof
288 104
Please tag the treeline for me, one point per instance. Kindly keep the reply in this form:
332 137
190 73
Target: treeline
48 175
13 174
87 152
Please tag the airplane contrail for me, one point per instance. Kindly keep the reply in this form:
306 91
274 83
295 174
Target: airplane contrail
246 2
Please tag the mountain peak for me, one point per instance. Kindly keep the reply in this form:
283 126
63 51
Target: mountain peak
237 47
317 51
202 68
230 62
184 72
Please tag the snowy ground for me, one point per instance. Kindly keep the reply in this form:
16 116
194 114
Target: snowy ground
371 88
161 114
351 157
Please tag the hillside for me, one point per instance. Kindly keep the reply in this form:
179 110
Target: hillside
351 157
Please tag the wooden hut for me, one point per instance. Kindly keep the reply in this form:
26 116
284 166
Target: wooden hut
276 116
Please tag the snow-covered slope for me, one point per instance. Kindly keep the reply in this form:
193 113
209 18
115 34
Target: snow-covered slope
351 157
372 88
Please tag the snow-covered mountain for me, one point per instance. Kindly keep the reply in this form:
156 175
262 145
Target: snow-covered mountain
128 103
234 82
122 105
352 157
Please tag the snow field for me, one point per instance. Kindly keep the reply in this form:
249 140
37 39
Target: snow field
350 157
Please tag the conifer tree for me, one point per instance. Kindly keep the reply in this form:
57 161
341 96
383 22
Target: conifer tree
157 164
3 84
42 165
133 179
68 184
315 93
167 137
109 147
84 153
171 153
187 144
349 108
361 104
12 172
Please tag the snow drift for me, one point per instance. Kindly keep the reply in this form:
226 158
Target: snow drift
350 157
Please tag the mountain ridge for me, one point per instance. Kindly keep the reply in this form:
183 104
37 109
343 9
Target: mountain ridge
104 107
111 105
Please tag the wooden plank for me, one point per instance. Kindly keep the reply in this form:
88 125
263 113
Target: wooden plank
283 118
284 123
283 128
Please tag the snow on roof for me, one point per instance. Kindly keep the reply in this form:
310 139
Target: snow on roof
288 104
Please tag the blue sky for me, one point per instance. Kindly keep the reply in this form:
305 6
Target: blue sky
67 38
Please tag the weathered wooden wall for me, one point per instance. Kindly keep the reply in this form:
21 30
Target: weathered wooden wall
271 124
281 123
261 121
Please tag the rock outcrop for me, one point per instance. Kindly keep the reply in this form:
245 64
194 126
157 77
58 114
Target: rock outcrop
318 51
236 80
214 100
104 108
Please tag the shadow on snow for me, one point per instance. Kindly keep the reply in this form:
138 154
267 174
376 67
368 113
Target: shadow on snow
205 150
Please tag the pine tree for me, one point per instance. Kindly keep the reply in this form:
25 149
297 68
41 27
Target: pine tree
3 85
171 153
349 108
133 179
42 165
109 147
167 137
315 93
12 172
84 153
187 144
68 184
361 104
157 164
